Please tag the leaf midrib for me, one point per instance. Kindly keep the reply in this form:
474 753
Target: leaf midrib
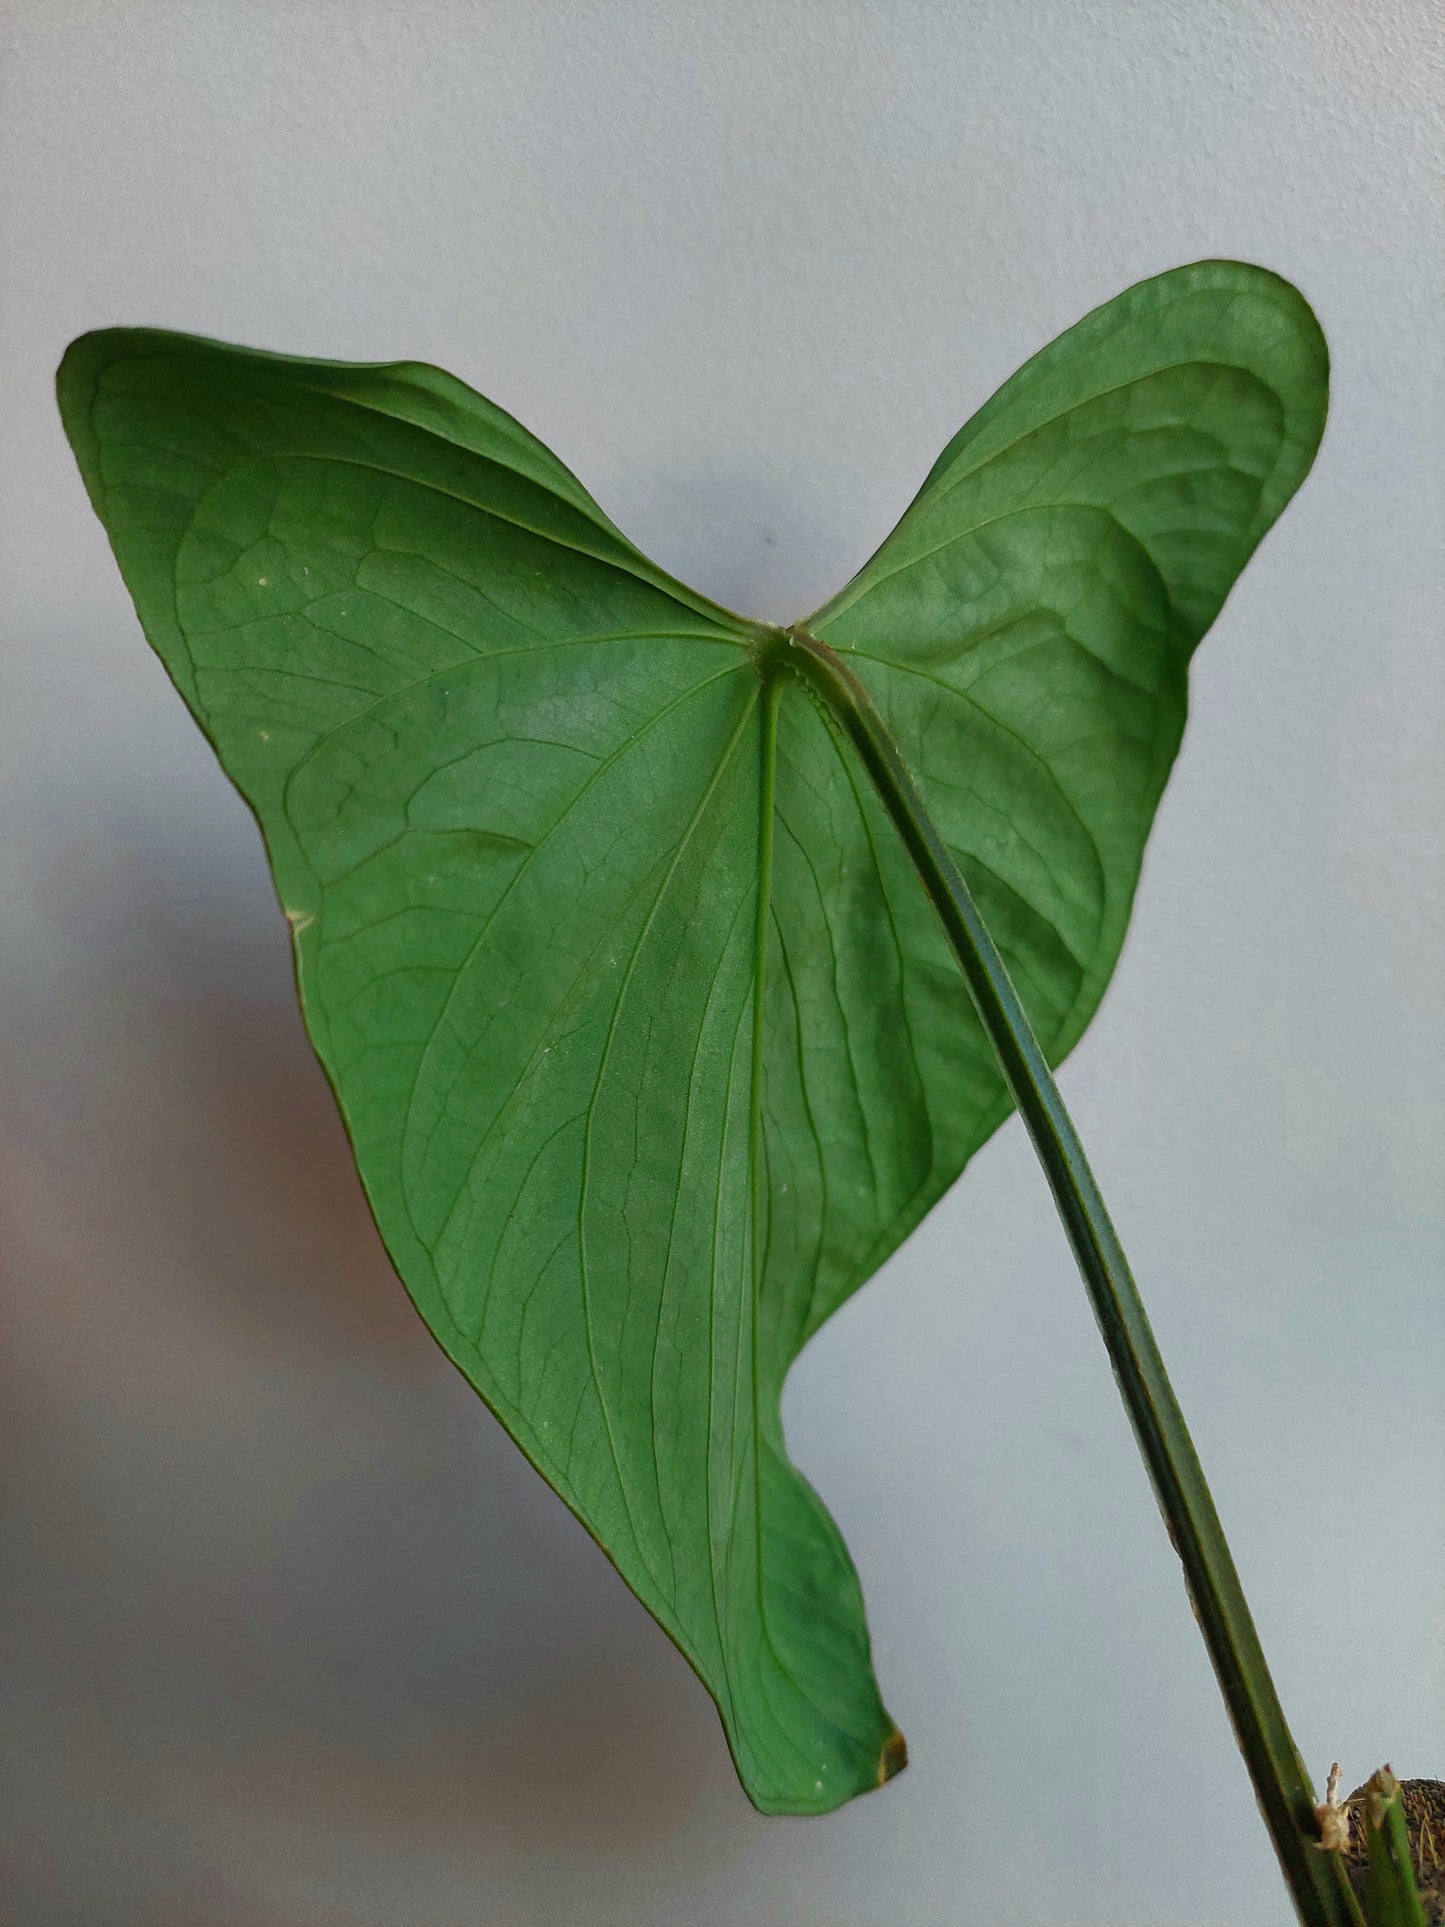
594 776
683 841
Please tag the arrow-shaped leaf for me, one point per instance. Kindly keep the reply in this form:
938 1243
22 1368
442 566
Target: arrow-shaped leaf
647 1037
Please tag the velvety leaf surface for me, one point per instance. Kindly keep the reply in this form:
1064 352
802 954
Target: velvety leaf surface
646 1038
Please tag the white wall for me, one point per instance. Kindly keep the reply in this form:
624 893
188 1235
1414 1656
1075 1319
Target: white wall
300 1640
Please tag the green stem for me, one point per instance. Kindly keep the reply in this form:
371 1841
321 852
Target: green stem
1316 1879
1392 1898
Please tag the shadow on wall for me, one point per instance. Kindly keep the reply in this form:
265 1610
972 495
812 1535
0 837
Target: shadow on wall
267 1551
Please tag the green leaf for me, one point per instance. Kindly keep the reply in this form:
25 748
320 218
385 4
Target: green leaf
648 1040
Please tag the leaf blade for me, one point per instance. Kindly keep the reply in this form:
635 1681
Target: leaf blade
650 1047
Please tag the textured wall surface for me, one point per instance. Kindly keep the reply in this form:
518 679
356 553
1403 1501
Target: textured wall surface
294 1638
